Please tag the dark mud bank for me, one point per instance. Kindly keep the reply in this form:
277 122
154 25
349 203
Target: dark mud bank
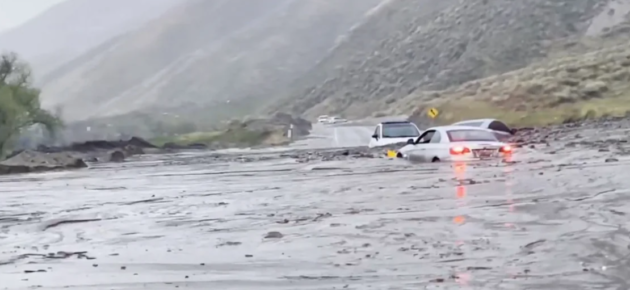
78 155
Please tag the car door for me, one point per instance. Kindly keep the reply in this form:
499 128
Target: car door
434 148
421 146
382 141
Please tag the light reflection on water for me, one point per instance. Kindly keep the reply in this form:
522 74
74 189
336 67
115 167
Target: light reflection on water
459 168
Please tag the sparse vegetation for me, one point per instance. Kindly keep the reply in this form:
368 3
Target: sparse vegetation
247 133
20 106
407 46
135 124
589 85
205 138
239 137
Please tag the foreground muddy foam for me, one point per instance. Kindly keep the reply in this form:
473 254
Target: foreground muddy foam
554 218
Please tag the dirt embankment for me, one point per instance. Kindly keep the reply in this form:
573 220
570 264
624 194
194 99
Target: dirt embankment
75 155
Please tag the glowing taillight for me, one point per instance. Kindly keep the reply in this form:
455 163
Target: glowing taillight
459 150
506 149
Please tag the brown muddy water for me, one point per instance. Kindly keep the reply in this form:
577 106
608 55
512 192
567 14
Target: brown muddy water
556 217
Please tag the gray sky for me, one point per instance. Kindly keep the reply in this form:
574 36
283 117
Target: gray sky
16 12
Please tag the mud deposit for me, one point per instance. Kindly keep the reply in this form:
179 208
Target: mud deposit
555 217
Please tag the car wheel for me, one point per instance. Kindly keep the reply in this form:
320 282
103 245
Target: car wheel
399 155
435 159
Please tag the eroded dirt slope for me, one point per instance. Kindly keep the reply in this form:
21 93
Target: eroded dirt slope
432 45
202 55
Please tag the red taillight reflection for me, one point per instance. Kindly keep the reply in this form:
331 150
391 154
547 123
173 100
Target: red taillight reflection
506 149
461 192
459 150
460 169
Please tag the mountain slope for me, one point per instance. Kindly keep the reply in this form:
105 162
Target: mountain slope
458 41
70 28
205 54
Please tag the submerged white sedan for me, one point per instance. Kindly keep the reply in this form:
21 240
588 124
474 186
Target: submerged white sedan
454 143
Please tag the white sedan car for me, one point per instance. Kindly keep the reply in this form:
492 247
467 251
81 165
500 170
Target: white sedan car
322 119
335 120
455 143
498 128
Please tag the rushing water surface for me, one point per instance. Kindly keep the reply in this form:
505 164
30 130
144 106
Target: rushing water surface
550 219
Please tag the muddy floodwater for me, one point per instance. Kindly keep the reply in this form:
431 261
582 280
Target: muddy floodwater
554 217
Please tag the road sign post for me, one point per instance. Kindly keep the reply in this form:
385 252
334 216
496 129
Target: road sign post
290 132
433 113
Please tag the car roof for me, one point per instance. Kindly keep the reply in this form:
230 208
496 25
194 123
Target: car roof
396 122
457 127
475 120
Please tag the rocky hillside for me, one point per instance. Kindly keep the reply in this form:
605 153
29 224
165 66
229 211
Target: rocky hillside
205 54
72 27
428 45
561 89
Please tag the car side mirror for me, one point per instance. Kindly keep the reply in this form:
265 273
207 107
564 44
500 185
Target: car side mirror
375 136
410 142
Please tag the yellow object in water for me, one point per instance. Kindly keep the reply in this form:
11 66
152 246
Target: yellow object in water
391 154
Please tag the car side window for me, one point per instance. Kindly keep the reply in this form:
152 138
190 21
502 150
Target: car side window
425 137
499 126
436 138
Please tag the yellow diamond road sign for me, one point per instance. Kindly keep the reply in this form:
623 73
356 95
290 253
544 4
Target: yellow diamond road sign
433 112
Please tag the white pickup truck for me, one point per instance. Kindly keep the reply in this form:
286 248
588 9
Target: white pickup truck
394 132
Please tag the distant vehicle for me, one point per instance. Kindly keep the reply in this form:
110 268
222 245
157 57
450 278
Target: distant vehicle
455 143
500 129
394 132
334 120
322 119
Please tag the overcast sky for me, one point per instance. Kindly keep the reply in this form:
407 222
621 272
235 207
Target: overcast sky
16 12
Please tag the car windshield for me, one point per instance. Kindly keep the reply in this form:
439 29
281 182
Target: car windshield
401 130
470 135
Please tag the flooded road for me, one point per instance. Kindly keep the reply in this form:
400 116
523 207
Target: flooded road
556 217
